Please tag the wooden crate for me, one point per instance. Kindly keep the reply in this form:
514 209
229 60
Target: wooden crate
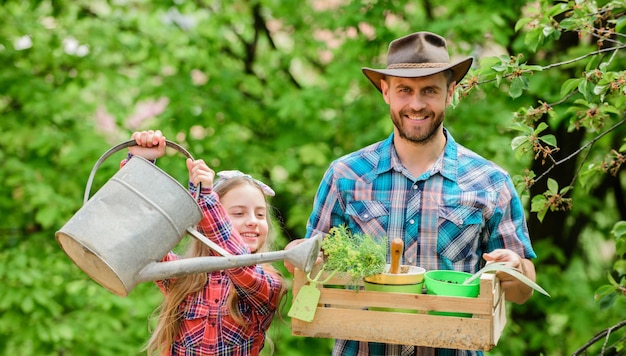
343 314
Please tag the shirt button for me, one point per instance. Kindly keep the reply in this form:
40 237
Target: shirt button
411 221
217 300
415 187
366 215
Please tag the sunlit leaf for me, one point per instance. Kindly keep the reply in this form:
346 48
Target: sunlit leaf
593 63
588 177
521 23
502 67
517 87
521 127
600 89
568 23
619 229
553 186
542 126
620 265
548 30
539 206
605 296
533 39
519 141
569 85
557 9
549 139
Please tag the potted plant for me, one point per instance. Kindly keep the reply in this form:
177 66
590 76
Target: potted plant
355 255
363 259
396 277
452 284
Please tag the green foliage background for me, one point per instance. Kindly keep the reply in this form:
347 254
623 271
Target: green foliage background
274 88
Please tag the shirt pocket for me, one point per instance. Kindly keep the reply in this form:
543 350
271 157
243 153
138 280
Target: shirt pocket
368 216
193 323
459 232
231 332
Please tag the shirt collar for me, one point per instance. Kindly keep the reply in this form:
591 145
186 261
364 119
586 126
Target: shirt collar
446 164
387 157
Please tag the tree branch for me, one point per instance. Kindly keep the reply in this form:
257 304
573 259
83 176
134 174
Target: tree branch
558 64
603 334
616 48
583 147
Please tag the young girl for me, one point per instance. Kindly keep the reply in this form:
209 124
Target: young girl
225 312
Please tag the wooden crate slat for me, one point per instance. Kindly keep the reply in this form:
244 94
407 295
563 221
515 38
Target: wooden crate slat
398 328
423 302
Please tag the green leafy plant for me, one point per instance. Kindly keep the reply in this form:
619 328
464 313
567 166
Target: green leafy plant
357 255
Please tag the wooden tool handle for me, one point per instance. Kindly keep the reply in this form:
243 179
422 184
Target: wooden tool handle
397 248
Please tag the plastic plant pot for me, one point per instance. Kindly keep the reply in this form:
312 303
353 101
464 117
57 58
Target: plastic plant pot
450 283
409 280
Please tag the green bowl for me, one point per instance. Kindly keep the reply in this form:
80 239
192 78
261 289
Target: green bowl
450 283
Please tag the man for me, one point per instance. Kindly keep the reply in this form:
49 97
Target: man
453 209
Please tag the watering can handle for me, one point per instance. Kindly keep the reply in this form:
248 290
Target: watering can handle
121 146
180 149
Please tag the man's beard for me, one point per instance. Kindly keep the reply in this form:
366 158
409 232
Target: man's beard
422 136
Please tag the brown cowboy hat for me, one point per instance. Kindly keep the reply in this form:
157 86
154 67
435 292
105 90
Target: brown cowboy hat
419 54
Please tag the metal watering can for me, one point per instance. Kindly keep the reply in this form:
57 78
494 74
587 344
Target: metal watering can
120 235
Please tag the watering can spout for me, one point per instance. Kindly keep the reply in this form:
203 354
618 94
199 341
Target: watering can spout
302 256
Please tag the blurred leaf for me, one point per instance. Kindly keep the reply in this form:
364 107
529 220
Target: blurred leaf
521 23
605 296
619 229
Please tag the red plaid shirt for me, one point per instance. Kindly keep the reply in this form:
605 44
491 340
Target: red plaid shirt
207 327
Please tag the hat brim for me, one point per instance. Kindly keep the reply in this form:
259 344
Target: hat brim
459 69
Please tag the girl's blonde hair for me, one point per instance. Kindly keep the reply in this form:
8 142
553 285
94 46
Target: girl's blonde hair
168 321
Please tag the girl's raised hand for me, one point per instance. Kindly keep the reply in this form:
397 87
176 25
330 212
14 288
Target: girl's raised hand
199 172
150 144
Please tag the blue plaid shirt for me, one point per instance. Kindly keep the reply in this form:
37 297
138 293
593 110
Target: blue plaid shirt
448 217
